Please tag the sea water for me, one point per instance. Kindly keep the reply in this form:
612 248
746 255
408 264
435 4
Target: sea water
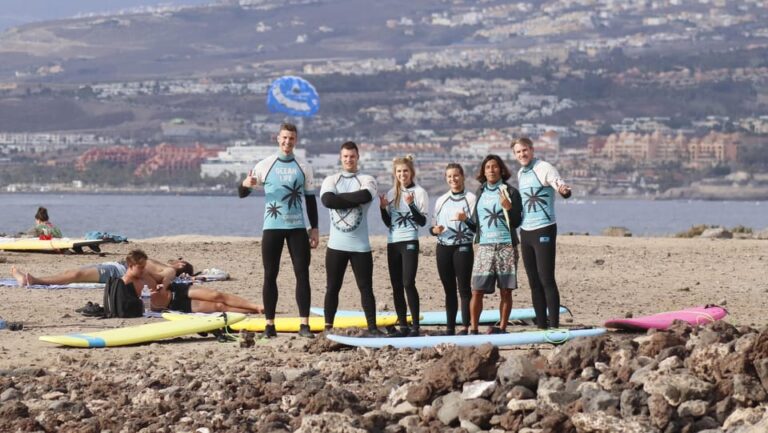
144 216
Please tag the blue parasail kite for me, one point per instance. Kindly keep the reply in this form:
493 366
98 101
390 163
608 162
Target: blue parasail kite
294 96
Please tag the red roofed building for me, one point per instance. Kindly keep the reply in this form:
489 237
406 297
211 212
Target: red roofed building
164 157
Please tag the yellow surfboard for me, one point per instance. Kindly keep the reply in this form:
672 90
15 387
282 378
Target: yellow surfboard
145 333
62 244
291 324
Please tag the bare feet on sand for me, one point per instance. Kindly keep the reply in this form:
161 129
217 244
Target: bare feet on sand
21 277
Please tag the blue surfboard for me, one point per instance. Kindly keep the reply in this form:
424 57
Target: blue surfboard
439 317
554 336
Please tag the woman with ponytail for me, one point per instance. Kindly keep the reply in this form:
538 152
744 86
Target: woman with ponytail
404 209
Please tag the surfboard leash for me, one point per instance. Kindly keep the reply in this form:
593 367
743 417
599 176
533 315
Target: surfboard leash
549 339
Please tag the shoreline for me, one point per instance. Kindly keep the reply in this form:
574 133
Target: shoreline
198 192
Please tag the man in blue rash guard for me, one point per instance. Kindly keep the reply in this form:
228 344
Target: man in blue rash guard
538 180
285 180
348 195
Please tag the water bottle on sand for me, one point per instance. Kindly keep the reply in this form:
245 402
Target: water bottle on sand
145 298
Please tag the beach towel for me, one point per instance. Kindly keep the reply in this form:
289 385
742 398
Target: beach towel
11 282
106 236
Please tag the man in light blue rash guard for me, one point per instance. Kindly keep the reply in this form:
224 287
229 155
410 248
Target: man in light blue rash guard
348 195
538 180
286 181
497 215
404 210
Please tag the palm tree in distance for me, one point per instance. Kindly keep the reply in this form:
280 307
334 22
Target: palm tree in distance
535 199
294 194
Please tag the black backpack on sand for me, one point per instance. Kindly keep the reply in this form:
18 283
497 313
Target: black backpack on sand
121 300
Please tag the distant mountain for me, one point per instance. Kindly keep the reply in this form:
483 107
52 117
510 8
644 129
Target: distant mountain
19 12
214 39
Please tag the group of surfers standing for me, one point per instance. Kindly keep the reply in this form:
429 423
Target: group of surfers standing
478 247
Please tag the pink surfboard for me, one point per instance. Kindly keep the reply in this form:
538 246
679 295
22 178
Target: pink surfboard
695 316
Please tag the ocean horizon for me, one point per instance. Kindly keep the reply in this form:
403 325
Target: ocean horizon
141 216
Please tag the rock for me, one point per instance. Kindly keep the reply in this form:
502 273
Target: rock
477 411
10 394
633 402
53 395
522 405
622 357
671 363
659 410
676 387
616 231
449 411
657 342
692 408
13 410
397 395
761 234
409 422
667 352
599 401
723 409
568 360
552 395
761 367
469 426
716 233
759 427
706 423
329 423
457 366
332 400
518 370
589 373
744 416
600 422
704 360
747 390
519 392
478 389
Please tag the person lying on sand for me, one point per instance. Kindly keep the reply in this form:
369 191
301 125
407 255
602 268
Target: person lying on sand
180 296
101 272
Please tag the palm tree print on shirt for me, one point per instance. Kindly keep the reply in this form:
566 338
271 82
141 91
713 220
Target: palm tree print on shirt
495 216
273 210
460 236
404 219
294 194
535 199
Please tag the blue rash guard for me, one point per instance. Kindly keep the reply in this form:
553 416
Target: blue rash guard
538 182
490 217
285 182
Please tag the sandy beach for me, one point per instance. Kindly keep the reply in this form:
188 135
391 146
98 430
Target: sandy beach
599 278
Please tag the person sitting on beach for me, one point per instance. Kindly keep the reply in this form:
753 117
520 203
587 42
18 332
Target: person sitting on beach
44 228
180 296
101 272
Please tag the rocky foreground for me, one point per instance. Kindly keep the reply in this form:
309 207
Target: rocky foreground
709 379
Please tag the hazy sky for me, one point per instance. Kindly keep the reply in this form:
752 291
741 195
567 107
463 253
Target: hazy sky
18 12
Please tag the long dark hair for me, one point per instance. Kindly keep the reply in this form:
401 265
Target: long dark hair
505 175
42 214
